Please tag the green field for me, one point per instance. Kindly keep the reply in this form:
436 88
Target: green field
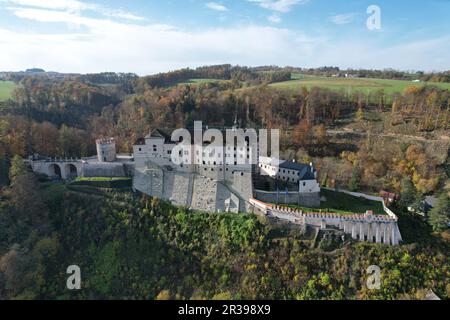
202 81
365 85
6 89
342 203
104 182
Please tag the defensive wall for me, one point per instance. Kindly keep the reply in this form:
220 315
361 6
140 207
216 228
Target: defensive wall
362 227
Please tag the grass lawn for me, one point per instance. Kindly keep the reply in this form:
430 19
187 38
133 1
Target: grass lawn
342 203
102 179
352 84
6 88
104 182
202 81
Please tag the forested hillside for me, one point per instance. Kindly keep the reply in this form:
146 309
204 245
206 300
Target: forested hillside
130 246
133 247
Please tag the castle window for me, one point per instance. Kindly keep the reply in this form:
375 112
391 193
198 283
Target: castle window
304 184
140 149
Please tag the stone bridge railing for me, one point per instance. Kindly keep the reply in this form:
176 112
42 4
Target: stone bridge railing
56 160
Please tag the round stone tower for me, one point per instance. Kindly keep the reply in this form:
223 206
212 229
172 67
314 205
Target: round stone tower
106 150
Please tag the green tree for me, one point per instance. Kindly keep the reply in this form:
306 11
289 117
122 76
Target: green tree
418 206
439 216
353 184
408 194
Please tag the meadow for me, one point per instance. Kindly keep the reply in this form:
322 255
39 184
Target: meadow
365 85
6 89
342 203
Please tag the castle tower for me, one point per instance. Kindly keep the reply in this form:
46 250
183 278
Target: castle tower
106 150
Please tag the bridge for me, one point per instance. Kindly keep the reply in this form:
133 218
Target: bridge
61 168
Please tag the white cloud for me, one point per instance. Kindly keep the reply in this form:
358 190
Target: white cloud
275 18
216 6
279 5
345 18
106 45
69 5
74 6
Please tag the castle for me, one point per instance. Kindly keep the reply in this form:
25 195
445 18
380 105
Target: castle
213 184
216 179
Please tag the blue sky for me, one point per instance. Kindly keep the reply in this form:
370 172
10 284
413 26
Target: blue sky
149 36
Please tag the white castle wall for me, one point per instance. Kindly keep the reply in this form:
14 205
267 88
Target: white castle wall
311 200
105 169
200 187
204 194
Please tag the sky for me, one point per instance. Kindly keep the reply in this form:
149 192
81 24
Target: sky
151 36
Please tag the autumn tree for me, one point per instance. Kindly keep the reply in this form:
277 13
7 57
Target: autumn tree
17 169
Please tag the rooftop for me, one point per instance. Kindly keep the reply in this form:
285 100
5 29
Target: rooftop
159 134
306 170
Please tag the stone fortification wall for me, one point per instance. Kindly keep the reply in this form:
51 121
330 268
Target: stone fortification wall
311 200
104 169
207 190
361 227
